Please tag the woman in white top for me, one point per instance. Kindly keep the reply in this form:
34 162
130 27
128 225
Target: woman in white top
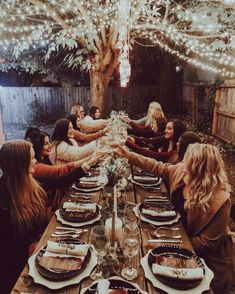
154 111
64 147
92 122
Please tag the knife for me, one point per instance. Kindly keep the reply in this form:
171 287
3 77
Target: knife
164 241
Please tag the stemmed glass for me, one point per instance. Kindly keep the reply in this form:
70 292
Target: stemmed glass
130 245
129 215
100 241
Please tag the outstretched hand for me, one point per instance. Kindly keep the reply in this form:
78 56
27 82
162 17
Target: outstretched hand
120 151
126 119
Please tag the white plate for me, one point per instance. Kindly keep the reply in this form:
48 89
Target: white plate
203 286
58 285
116 278
73 224
147 186
158 223
95 189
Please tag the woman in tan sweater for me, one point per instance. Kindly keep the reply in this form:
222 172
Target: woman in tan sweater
199 190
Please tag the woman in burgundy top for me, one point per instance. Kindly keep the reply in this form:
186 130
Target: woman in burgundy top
154 125
161 148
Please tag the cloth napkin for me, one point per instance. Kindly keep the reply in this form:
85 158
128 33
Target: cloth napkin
156 213
82 207
179 273
70 249
90 179
117 291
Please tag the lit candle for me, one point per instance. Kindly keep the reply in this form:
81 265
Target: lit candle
115 200
118 228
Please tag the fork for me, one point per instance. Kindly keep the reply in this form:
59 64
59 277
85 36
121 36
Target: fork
67 232
70 229
158 235
164 228
73 236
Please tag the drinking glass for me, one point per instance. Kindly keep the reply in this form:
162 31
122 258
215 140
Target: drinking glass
100 241
129 216
130 245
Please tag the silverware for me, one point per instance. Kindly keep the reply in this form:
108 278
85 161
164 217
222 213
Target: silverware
81 196
67 232
164 241
84 194
66 235
158 235
71 229
164 228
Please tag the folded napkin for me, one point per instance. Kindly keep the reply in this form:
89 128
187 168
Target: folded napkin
118 291
70 249
179 273
156 213
82 207
90 179
103 286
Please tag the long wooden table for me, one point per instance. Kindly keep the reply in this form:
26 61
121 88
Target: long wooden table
25 283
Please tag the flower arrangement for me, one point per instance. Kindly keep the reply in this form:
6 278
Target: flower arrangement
115 170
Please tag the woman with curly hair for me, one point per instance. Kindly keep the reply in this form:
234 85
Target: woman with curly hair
199 190
152 125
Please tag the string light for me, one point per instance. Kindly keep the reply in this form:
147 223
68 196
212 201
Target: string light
163 22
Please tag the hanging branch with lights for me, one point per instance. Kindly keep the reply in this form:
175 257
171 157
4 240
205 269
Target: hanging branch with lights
95 35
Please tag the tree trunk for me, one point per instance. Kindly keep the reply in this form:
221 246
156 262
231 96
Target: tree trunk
98 89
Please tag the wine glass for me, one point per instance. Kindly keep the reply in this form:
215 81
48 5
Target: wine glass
123 135
129 215
100 241
130 245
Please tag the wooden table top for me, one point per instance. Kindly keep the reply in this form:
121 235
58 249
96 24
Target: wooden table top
25 283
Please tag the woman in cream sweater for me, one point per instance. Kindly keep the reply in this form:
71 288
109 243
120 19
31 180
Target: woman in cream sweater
64 147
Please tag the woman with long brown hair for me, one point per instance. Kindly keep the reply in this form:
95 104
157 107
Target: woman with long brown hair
23 207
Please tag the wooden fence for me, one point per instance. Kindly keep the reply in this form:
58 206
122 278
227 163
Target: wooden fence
195 100
224 114
25 105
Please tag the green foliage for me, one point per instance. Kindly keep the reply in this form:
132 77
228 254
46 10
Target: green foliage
205 119
40 113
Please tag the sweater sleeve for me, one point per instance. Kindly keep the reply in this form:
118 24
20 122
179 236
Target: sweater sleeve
83 137
46 170
161 156
58 182
210 237
139 130
93 126
150 165
141 121
67 153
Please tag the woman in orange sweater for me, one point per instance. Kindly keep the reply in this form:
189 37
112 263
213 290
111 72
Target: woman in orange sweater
56 177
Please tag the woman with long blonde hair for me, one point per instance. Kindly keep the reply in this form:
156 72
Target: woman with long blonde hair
22 209
152 125
199 190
